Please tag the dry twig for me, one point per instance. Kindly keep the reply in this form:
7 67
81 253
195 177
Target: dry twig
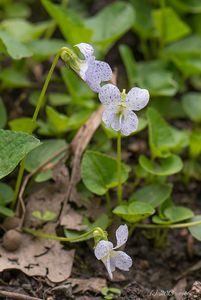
16 296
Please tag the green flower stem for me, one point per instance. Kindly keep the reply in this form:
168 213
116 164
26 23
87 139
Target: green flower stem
40 103
170 226
79 238
41 98
119 188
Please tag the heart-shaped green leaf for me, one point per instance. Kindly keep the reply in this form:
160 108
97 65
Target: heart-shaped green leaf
154 194
192 105
24 31
187 6
44 48
162 137
41 154
178 213
58 122
186 47
23 124
15 49
188 66
196 230
70 23
14 146
134 212
174 214
6 194
166 166
155 77
99 172
44 216
105 35
166 20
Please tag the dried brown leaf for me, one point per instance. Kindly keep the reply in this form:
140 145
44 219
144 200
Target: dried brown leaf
39 257
36 256
72 220
93 284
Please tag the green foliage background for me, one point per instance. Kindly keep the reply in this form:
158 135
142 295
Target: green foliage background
158 42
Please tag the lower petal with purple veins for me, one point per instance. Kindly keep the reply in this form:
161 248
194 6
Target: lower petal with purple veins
116 122
106 261
121 260
109 115
129 122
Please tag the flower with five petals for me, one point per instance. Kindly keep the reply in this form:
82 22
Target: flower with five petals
119 107
112 259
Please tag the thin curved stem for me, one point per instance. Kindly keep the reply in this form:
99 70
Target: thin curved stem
41 98
170 226
79 238
40 103
119 188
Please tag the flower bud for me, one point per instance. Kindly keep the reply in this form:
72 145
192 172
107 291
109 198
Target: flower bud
71 59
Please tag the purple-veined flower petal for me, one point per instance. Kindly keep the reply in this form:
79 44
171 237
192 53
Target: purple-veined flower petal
129 122
109 94
112 261
102 249
86 49
116 122
104 70
121 235
137 98
109 114
107 264
121 260
96 73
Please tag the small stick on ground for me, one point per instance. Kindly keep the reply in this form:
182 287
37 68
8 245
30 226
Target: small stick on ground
17 296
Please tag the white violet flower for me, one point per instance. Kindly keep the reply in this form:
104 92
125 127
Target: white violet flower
119 113
111 258
93 71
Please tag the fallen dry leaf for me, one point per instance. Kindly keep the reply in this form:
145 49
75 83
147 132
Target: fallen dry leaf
47 197
39 257
72 220
91 284
60 175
